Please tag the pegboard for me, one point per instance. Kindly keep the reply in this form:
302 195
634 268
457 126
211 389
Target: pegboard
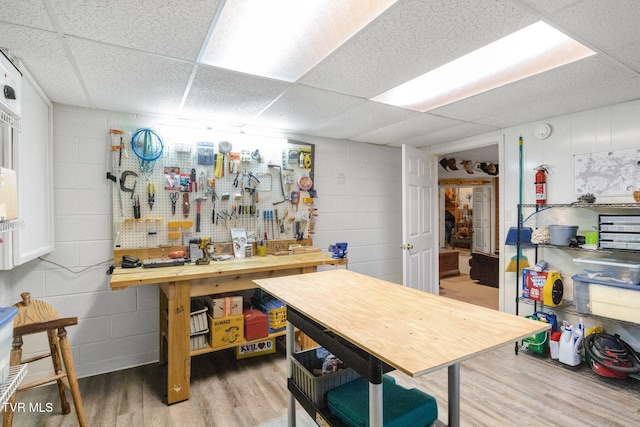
262 179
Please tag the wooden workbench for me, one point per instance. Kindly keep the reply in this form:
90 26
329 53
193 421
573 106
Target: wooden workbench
409 330
179 284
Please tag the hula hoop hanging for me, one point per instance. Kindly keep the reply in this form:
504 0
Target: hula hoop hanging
148 146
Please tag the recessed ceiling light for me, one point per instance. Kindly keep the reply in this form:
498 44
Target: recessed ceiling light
286 38
532 50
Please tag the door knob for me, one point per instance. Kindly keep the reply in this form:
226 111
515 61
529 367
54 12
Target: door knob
407 247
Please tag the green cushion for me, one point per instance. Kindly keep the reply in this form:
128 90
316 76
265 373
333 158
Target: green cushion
401 407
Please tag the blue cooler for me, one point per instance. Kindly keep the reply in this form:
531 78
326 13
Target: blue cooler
6 339
401 407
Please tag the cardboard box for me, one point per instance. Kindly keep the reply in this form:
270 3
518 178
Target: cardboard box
303 342
255 349
533 284
223 305
226 331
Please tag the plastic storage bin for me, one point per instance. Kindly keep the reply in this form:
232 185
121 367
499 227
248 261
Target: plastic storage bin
276 311
604 269
316 388
401 407
6 339
607 299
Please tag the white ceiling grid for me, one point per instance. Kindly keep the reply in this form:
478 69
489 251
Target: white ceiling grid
139 56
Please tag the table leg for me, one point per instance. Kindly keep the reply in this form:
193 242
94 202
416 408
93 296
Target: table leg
454 395
375 405
178 357
376 416
291 404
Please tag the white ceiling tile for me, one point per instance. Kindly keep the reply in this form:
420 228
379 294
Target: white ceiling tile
168 27
452 133
29 13
362 118
153 84
43 55
137 56
411 38
585 99
629 55
229 97
547 7
302 107
556 83
417 125
603 25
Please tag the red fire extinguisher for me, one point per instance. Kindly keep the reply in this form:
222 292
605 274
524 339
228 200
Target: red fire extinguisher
541 184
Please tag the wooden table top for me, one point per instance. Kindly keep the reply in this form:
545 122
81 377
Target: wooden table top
413 331
125 277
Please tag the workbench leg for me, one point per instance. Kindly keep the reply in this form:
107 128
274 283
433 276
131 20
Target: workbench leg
291 404
454 395
179 359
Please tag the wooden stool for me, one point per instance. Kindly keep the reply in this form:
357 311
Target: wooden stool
38 316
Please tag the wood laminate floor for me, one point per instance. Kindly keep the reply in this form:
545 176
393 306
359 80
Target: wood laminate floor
498 388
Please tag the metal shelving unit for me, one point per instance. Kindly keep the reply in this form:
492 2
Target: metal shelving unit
598 207
10 385
10 225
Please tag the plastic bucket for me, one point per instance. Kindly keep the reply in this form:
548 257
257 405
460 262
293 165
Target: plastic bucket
560 235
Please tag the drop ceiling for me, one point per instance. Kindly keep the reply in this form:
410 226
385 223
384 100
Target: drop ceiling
140 57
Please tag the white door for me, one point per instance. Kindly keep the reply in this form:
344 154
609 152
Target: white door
419 220
482 231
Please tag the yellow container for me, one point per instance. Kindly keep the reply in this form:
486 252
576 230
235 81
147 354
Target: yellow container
226 330
174 235
174 225
186 224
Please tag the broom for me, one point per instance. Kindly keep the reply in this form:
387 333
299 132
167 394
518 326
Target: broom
519 261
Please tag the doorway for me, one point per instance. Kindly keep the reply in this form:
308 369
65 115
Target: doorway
468 217
458 217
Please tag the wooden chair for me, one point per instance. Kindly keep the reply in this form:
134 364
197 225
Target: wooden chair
36 316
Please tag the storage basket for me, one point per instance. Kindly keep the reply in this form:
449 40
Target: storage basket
316 388
276 310
198 319
537 343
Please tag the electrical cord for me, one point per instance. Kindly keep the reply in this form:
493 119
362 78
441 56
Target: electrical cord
78 271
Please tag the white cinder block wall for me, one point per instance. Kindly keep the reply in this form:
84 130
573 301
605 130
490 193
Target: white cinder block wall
359 203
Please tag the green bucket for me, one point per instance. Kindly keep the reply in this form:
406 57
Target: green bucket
539 343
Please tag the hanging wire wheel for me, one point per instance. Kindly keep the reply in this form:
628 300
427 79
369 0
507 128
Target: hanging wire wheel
147 145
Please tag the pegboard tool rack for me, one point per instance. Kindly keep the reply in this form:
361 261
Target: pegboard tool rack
255 192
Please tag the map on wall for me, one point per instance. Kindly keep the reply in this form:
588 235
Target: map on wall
606 173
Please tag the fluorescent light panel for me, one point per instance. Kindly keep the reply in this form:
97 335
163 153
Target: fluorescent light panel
283 39
532 50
